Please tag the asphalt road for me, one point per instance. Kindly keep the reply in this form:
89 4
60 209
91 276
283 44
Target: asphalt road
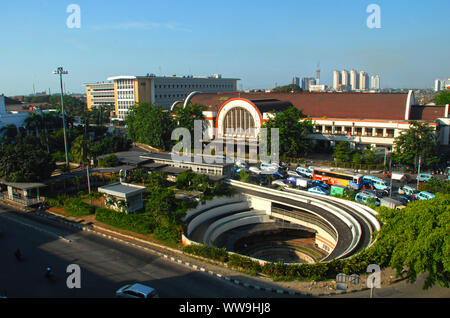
106 265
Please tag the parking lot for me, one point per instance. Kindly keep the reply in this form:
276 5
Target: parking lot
374 187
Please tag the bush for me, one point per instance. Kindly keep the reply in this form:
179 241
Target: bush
78 208
211 252
109 161
139 223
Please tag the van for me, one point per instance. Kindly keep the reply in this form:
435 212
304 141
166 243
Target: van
424 177
407 190
391 203
367 199
304 172
378 183
424 196
400 176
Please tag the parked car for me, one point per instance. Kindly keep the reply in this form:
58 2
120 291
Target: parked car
424 196
392 203
424 177
298 181
304 172
241 163
318 183
293 173
280 183
137 291
373 193
255 170
366 198
400 176
319 190
408 190
406 199
268 166
378 183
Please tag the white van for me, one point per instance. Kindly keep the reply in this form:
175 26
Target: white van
400 176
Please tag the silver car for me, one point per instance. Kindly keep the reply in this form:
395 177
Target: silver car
136 291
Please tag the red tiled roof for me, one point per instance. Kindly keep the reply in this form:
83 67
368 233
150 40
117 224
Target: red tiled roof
387 106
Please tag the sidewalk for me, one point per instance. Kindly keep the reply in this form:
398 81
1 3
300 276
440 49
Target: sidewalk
219 270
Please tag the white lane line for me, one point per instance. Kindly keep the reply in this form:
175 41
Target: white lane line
12 219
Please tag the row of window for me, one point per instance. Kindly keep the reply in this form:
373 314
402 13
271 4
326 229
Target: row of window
230 86
358 131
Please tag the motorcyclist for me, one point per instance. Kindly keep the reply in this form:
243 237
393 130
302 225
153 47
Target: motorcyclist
48 272
18 254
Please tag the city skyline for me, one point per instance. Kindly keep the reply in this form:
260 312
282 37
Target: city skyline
149 37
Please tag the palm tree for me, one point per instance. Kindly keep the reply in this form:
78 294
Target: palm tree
9 131
81 149
34 123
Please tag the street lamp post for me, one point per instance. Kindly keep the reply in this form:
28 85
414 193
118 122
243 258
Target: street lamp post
60 71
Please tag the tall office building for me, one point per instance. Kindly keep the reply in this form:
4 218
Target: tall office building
363 81
296 81
307 82
128 91
337 81
354 80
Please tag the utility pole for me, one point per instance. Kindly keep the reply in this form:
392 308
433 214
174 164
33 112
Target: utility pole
418 172
60 71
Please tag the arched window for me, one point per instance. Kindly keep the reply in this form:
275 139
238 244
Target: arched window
239 121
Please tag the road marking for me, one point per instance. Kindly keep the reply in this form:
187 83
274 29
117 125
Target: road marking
12 219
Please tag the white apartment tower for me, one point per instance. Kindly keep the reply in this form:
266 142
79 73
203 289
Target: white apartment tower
363 81
337 81
354 80
375 82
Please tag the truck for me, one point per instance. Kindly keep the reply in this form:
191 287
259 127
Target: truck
299 182
391 203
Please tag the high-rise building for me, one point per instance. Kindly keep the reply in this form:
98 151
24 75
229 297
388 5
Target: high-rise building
363 81
337 81
441 84
345 78
354 80
307 82
127 91
296 81
375 82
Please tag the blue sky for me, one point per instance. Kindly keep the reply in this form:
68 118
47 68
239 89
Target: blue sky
261 42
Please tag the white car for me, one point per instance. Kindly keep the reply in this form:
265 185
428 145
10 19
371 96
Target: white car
280 183
136 291
255 170
293 173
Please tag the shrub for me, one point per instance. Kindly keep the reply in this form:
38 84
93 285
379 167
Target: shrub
139 223
78 208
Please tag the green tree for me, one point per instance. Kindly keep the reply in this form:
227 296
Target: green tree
344 153
443 98
80 150
151 125
23 162
418 141
291 88
419 240
293 132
